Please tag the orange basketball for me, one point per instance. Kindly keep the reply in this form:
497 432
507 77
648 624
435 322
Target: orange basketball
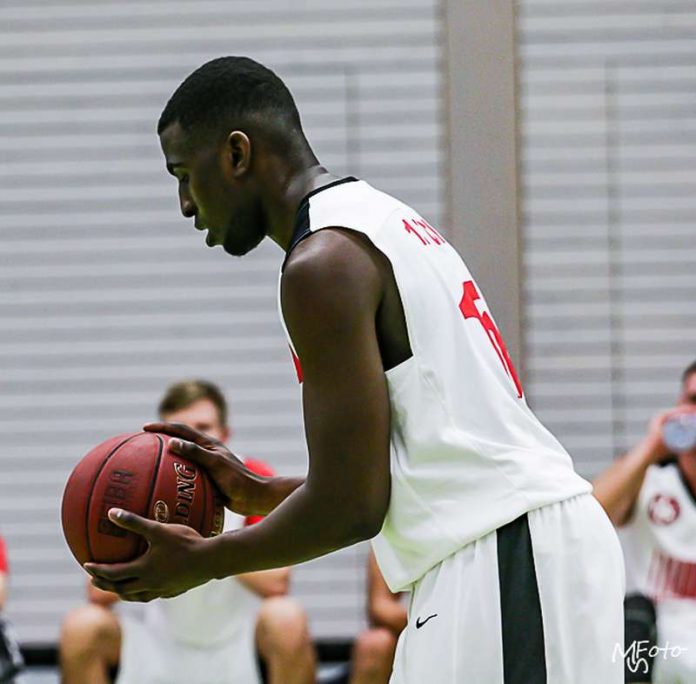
138 473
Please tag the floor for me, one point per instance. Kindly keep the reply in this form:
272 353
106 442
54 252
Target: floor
328 674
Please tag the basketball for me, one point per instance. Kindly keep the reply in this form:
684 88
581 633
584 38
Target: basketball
138 473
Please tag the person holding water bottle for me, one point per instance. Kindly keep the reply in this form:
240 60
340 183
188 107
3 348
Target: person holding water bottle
650 493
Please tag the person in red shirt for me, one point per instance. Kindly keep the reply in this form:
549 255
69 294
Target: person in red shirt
3 574
211 633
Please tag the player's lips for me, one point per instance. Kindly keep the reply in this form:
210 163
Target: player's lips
210 239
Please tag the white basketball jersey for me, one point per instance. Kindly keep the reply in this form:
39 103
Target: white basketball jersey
659 541
467 453
660 553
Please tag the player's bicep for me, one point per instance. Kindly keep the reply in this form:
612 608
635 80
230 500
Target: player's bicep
330 301
346 411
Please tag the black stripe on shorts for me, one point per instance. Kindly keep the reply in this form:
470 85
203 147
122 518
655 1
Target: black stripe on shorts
524 660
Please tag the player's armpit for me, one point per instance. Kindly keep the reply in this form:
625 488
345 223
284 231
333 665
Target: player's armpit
330 292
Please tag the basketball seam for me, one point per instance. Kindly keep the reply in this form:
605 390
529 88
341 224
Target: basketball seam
203 519
91 490
155 478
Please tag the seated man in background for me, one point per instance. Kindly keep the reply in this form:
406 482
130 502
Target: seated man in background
3 574
373 653
208 635
651 494
10 657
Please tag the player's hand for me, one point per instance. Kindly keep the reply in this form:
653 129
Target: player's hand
654 441
241 488
173 563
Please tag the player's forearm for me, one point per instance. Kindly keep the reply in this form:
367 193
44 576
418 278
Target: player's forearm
274 491
308 524
617 488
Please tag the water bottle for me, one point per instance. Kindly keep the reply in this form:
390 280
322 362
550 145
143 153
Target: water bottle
679 433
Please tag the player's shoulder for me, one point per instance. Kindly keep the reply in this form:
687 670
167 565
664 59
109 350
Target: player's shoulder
330 264
324 250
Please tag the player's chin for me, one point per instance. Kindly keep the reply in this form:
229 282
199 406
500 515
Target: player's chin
240 248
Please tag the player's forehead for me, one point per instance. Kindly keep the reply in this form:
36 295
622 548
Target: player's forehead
200 411
175 143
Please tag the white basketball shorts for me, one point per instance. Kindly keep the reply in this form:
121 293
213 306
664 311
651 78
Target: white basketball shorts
538 601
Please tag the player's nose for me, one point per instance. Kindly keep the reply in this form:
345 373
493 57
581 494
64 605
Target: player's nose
188 207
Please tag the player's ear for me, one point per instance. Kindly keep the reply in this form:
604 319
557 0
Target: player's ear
226 434
238 151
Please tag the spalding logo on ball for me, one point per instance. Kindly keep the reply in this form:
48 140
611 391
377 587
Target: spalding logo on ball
138 473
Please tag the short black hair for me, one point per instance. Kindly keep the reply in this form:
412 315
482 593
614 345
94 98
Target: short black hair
227 90
689 371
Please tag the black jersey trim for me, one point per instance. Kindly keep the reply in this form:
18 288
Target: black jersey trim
524 654
302 229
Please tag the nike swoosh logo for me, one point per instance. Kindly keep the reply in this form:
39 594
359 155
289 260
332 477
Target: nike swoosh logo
420 623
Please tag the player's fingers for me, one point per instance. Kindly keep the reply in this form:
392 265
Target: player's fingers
673 413
110 576
180 430
683 409
124 589
134 523
197 454
104 585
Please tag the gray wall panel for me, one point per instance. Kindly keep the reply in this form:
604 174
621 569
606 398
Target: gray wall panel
609 175
107 295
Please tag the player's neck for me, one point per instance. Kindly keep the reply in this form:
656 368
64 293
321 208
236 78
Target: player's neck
284 200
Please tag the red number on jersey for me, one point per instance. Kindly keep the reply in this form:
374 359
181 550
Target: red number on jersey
470 310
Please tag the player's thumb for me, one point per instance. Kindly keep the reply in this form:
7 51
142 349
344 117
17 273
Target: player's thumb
132 522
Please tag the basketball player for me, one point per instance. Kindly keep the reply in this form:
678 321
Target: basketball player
651 494
210 634
417 426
